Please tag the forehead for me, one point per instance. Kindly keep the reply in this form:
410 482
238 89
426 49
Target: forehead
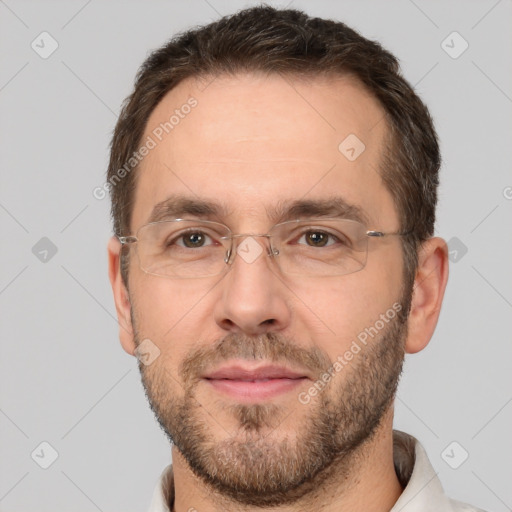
250 141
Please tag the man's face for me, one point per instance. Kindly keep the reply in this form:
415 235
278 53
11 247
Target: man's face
253 143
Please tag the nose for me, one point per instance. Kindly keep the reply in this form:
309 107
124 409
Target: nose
253 299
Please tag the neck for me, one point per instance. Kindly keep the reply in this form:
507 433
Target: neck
366 482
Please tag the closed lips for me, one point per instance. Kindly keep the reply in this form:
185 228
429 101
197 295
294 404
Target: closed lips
255 375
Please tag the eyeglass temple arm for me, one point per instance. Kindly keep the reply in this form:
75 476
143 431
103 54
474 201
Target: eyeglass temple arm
127 239
381 234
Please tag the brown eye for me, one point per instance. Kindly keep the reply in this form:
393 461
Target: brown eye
192 240
317 238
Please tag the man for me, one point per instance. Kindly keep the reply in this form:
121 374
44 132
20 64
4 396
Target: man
273 182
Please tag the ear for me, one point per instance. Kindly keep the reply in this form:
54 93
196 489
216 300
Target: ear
429 286
121 296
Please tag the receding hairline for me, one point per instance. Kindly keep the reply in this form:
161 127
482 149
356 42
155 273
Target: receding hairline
203 80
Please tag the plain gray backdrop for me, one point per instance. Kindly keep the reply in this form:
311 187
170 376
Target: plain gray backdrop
64 378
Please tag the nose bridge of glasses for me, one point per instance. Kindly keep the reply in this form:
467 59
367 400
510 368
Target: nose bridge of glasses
249 250
245 235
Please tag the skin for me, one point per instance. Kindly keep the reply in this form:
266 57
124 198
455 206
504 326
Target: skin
251 142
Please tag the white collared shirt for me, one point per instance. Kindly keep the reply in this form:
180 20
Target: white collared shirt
422 489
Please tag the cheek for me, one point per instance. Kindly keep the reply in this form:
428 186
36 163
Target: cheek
171 313
158 304
336 311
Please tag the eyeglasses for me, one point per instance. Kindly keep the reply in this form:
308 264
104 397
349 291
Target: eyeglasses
183 248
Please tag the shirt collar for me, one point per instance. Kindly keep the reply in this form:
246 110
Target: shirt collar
422 488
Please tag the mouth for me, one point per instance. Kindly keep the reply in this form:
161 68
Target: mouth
254 384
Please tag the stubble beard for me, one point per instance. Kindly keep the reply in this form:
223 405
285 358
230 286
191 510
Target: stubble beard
254 466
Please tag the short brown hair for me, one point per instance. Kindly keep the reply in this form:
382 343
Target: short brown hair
270 40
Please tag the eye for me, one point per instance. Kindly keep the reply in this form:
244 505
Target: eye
192 239
317 238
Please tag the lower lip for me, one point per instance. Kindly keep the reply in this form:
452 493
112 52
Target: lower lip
257 390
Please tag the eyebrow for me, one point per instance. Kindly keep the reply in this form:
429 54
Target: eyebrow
179 206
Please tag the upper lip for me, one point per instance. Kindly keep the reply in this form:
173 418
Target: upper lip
243 372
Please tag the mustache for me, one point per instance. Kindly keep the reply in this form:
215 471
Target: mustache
270 347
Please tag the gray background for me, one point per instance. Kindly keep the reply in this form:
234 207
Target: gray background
64 377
